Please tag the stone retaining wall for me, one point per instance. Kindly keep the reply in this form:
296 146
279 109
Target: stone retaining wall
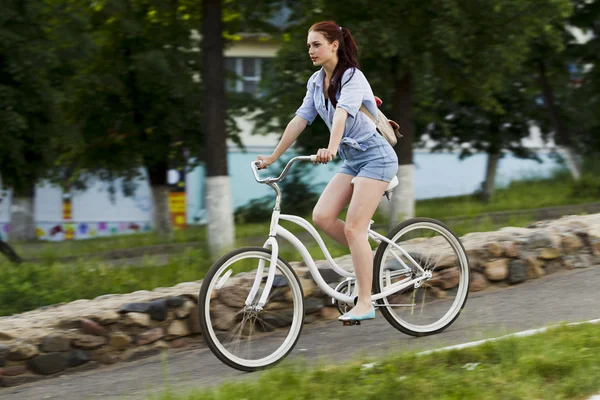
113 328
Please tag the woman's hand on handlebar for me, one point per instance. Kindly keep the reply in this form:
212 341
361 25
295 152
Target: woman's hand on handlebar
265 161
324 156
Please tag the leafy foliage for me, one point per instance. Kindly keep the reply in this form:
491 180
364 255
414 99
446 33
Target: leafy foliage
137 98
470 49
28 97
470 129
572 79
27 286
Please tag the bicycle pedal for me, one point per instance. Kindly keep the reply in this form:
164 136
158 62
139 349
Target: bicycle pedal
350 323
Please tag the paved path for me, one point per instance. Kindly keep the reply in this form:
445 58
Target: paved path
563 297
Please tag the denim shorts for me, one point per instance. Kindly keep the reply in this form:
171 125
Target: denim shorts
377 161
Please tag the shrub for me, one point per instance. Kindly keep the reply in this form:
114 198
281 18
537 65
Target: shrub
587 187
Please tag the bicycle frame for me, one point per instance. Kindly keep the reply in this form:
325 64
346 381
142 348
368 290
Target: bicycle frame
277 230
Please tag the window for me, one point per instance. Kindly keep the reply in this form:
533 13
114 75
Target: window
248 72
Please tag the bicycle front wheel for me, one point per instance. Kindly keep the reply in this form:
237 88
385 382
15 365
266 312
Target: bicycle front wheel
432 305
245 336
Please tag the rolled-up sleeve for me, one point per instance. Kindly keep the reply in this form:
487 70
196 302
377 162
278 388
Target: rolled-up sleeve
307 110
353 91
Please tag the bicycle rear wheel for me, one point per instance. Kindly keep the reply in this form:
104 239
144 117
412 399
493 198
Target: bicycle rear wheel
248 337
433 304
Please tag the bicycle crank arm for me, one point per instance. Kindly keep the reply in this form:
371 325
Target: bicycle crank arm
395 305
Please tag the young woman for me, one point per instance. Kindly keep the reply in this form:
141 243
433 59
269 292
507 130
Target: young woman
336 93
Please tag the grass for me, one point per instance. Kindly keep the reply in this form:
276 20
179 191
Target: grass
563 363
194 235
31 285
525 194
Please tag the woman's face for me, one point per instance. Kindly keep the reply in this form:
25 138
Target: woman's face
319 49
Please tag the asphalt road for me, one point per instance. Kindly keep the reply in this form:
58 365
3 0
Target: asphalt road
563 297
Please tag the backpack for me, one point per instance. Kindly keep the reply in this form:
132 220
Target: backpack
387 128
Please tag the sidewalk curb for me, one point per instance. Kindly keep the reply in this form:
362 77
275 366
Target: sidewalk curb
529 332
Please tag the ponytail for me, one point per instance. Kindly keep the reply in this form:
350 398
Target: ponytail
347 54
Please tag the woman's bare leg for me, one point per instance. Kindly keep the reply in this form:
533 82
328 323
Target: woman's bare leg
367 195
334 198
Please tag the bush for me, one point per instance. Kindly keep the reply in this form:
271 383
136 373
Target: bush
257 210
587 186
30 285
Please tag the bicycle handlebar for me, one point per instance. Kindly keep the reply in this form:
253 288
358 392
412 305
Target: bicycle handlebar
254 164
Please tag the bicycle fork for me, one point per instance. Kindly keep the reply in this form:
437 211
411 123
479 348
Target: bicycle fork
272 243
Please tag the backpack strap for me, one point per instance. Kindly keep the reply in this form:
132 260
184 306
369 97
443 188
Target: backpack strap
364 110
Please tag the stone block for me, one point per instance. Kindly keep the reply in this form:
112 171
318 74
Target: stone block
150 336
47 364
119 340
495 249
55 342
497 270
22 350
478 282
517 272
91 327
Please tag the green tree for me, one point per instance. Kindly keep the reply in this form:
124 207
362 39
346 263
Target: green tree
141 98
471 129
582 101
569 82
134 100
28 106
550 69
472 47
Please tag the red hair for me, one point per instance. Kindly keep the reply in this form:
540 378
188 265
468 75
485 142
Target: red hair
347 53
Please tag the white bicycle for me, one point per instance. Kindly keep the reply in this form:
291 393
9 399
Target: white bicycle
420 284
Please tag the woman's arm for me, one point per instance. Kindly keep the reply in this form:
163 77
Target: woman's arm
294 128
337 129
335 137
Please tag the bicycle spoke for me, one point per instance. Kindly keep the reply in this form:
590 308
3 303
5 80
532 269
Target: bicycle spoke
246 325
441 293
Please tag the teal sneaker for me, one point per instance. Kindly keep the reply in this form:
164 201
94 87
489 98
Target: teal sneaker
351 317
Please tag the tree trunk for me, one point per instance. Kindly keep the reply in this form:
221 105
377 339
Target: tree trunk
22 216
160 194
490 175
402 205
219 207
571 160
561 135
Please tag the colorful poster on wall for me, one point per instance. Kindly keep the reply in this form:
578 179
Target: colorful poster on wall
56 232
94 212
177 198
67 216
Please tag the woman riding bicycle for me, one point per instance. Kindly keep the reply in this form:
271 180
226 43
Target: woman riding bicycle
336 93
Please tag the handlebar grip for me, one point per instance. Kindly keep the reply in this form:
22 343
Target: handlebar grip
313 158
